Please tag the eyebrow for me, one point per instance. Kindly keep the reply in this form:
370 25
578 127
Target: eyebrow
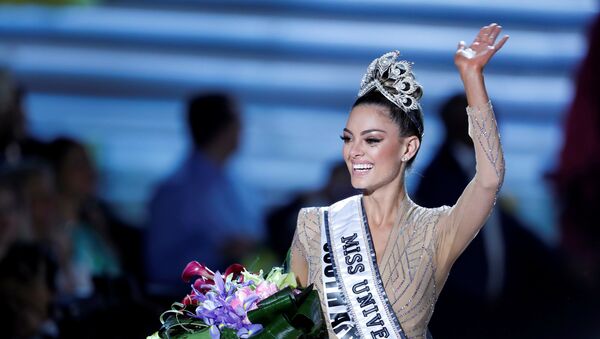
366 131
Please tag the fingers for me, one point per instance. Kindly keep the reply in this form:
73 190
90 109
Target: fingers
488 35
482 32
501 43
480 37
486 38
493 33
486 30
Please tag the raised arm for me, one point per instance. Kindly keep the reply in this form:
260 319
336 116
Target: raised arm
475 204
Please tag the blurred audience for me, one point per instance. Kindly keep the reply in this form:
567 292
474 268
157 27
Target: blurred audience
506 273
62 267
91 251
576 182
38 192
196 214
28 266
112 247
12 217
27 274
15 142
96 243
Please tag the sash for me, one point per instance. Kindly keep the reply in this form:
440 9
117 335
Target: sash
357 305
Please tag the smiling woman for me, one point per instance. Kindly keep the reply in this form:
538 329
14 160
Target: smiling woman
380 138
379 260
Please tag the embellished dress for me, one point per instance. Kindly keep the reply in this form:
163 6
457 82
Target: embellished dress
425 243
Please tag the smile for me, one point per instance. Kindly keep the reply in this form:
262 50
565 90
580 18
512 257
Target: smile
362 168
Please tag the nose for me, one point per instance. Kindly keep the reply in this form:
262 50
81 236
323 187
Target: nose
356 150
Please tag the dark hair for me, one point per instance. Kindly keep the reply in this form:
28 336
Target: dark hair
59 149
208 115
410 123
454 117
23 259
19 268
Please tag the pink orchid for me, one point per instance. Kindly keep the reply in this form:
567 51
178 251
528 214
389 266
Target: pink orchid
236 270
242 295
195 269
265 289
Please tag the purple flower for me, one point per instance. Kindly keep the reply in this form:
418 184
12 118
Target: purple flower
220 307
214 332
249 330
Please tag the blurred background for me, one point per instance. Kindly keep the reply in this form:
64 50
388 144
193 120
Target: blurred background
95 102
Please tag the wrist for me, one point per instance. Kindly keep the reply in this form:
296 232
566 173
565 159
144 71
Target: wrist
471 74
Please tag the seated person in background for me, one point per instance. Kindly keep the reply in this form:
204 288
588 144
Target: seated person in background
92 250
196 214
91 242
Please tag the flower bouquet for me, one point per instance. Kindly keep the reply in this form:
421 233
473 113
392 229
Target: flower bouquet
241 304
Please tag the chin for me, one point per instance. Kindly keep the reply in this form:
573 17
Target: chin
359 184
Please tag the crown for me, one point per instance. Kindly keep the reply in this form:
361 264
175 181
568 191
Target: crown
394 79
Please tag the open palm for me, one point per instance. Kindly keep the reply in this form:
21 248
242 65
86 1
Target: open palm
481 50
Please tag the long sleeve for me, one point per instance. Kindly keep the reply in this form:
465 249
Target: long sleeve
298 259
305 251
464 220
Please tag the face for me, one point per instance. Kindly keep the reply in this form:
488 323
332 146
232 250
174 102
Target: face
373 148
77 173
40 195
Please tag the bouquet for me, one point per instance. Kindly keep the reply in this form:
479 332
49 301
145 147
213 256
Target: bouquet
241 304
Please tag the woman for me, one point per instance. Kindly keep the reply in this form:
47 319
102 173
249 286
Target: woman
378 260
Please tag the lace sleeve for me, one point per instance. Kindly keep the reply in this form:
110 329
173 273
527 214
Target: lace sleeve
484 132
298 252
464 220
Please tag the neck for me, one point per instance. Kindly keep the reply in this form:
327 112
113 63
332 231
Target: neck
383 204
215 155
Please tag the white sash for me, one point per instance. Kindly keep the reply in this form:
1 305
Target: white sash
357 305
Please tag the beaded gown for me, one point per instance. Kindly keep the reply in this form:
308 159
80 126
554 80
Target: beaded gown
425 243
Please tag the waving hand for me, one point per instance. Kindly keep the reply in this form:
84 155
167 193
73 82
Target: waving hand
481 50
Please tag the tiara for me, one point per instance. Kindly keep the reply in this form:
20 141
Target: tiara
394 79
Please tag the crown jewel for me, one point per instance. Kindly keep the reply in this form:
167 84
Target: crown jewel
394 79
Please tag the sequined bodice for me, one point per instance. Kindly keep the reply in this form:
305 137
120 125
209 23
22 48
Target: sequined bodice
408 266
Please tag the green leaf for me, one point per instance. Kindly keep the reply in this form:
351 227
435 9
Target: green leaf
279 328
280 302
309 315
285 315
179 324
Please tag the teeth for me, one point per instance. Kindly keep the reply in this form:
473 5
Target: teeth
362 167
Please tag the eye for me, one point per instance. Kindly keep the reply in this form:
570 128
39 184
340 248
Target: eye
345 138
372 141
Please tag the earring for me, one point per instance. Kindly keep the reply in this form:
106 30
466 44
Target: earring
404 158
